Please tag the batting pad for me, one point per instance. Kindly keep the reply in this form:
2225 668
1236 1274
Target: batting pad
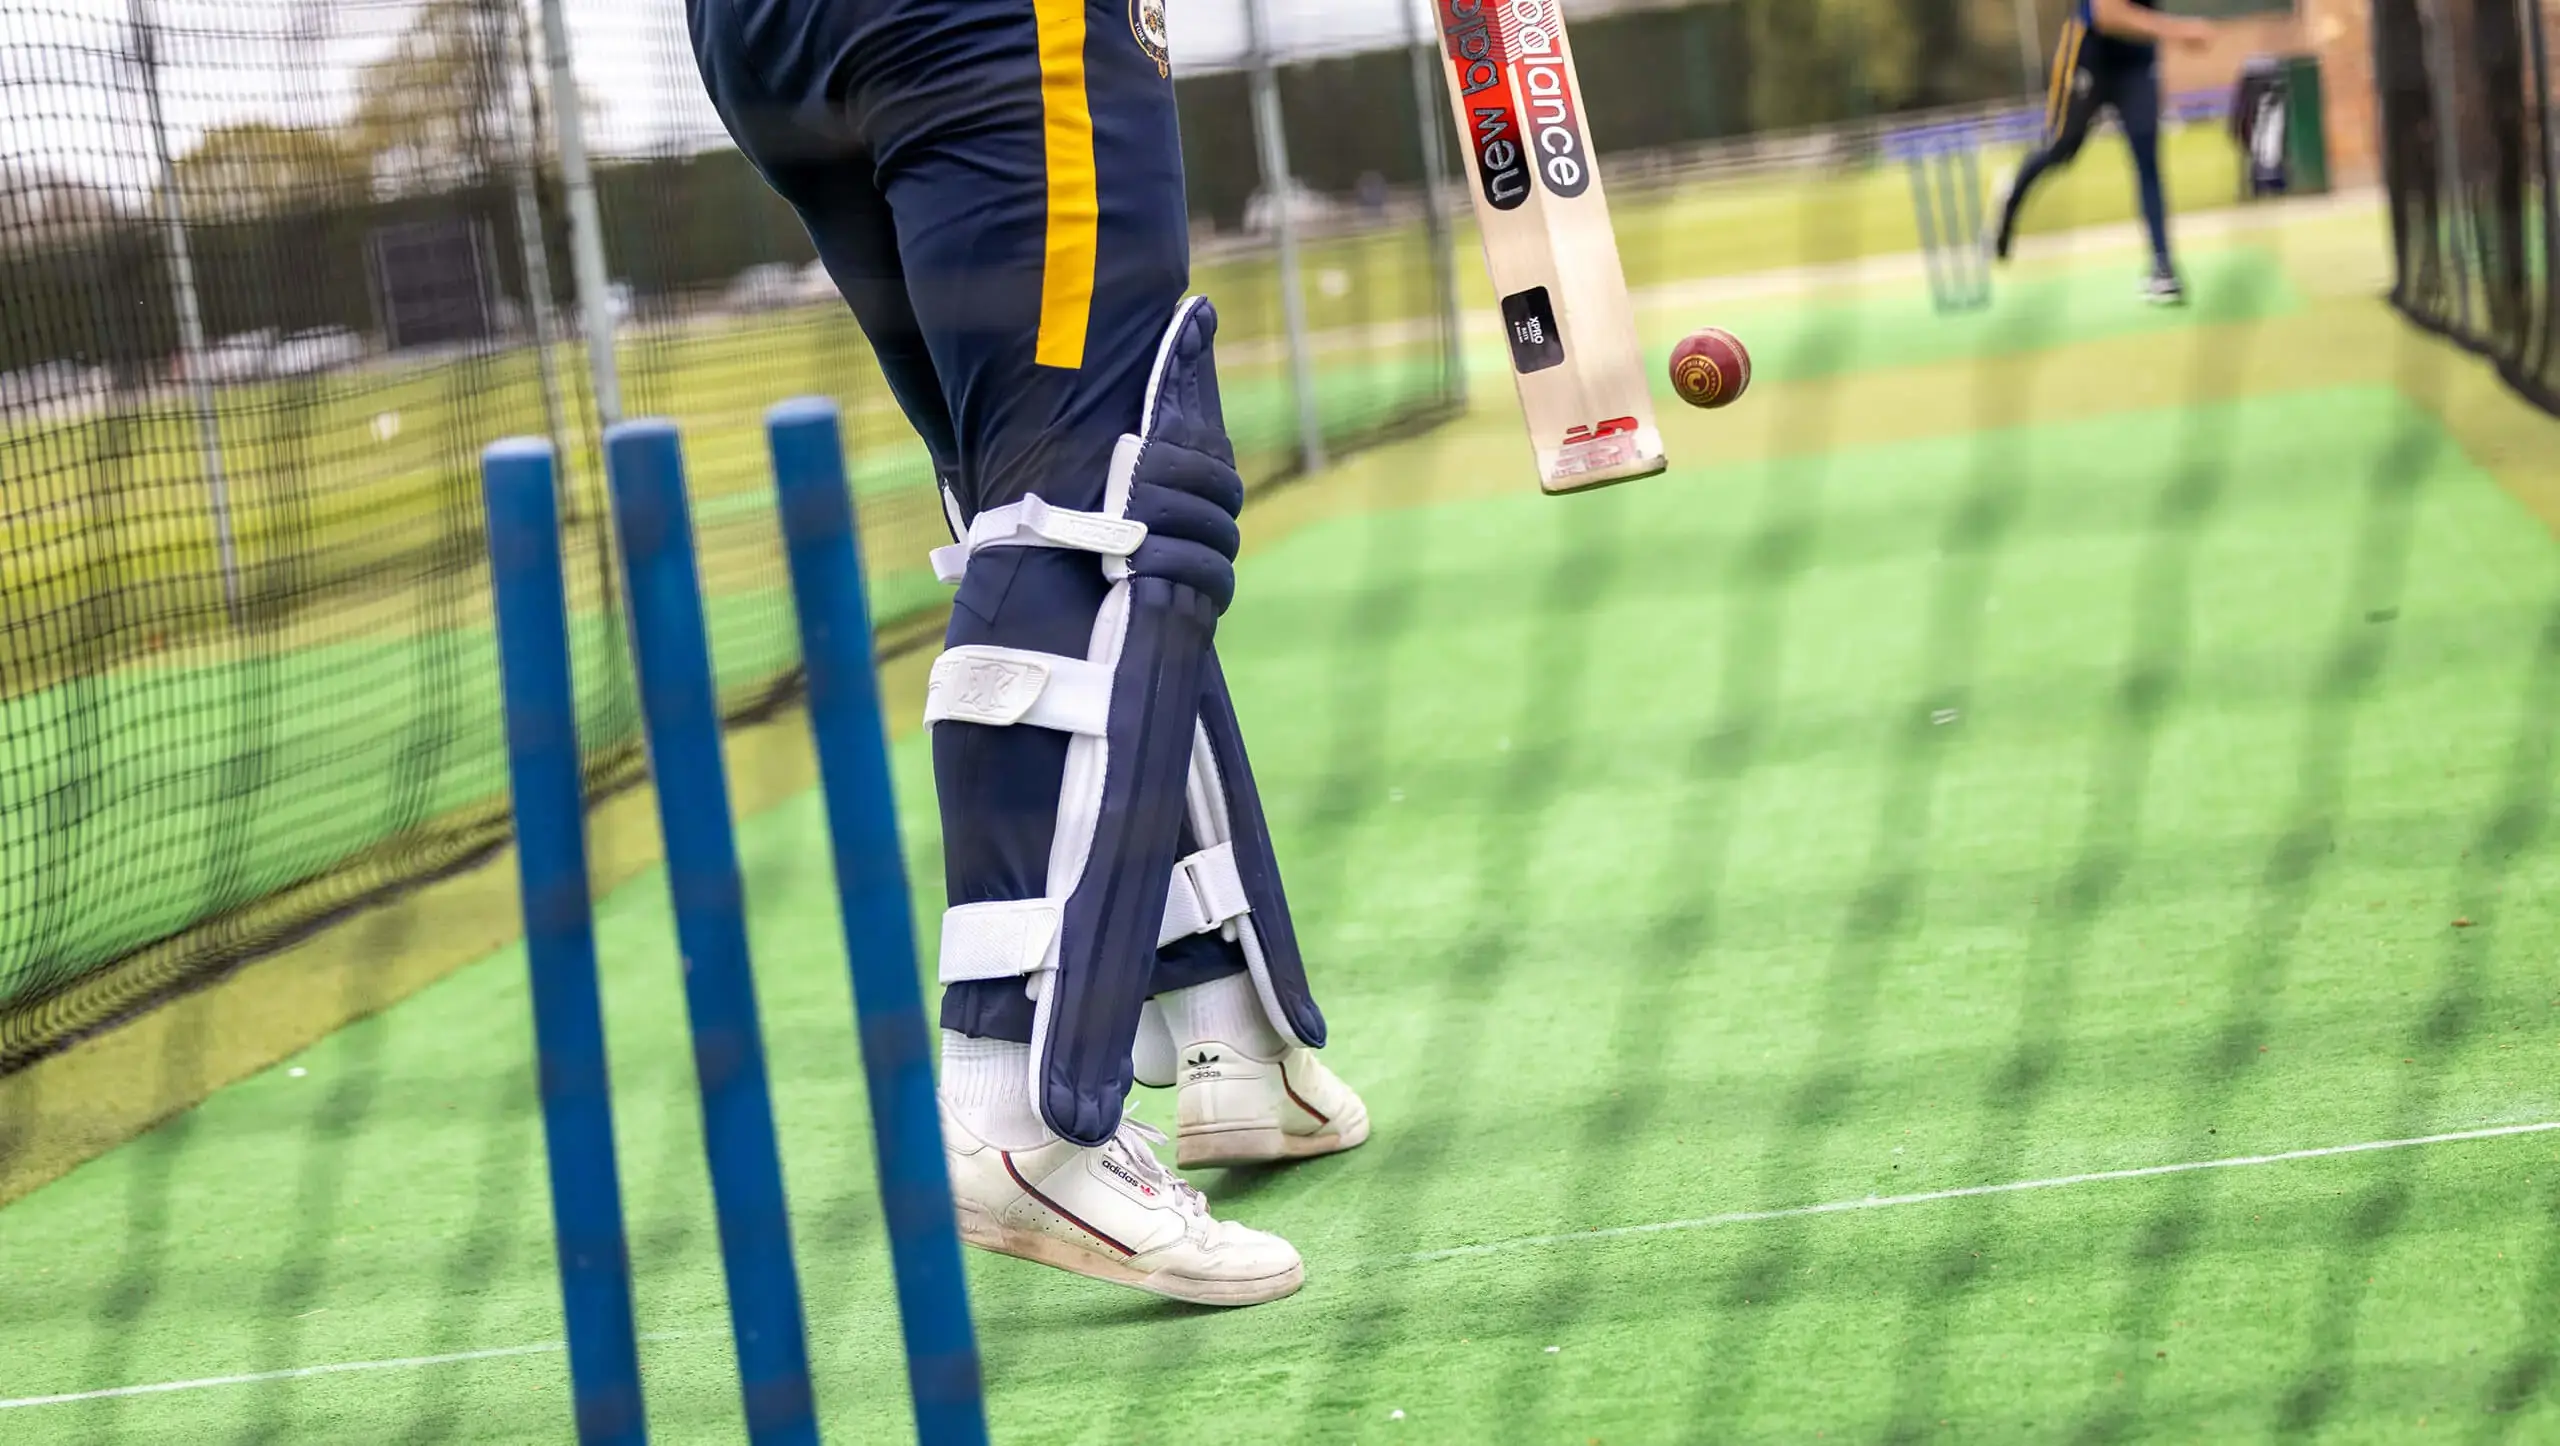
1165 539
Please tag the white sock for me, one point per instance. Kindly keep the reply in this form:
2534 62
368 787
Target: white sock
987 1083
1226 1011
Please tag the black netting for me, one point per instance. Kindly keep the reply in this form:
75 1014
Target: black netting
272 272
2471 158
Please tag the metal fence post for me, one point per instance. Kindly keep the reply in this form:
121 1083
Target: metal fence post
1432 120
586 224
2441 83
524 115
189 306
2030 47
1277 186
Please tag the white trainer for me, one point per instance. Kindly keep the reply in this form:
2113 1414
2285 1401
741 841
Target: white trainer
1238 1108
1113 1212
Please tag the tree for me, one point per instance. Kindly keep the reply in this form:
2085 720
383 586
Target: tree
1803 64
436 111
252 167
1815 62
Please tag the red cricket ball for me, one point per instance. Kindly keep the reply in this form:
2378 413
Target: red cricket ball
1710 368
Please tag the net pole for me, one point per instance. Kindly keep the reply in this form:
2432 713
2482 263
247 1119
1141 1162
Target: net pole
189 306
1432 125
1969 190
586 223
2546 97
1273 145
2030 46
526 118
2453 207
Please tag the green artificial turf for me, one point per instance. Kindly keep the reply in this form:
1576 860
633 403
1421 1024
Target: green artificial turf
1820 336
136 868
2069 797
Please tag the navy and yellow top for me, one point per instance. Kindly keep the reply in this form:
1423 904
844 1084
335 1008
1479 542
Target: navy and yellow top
2086 47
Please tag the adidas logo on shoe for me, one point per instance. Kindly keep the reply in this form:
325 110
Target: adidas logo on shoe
1202 1067
1131 1180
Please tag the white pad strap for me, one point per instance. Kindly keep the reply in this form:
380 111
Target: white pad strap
1003 940
1207 895
1019 937
1004 686
1032 522
1206 794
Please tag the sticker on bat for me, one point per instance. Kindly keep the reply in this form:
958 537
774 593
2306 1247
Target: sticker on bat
1537 343
1613 445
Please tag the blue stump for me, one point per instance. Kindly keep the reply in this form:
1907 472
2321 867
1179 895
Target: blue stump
546 775
879 932
680 710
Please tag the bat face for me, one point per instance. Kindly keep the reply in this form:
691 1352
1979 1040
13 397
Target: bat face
1548 243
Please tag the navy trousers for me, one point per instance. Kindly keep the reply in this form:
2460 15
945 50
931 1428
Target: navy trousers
996 187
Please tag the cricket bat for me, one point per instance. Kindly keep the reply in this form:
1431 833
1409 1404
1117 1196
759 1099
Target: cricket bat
1548 243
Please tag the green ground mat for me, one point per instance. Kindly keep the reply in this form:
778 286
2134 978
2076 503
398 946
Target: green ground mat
2153 789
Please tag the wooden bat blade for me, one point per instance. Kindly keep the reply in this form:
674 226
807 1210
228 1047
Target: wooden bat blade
1549 245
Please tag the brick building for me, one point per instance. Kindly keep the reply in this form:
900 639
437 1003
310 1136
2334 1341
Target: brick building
2340 32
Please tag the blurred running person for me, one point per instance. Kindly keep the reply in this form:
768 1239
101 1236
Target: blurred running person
2109 59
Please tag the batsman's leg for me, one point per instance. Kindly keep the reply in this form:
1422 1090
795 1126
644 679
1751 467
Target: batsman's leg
1029 164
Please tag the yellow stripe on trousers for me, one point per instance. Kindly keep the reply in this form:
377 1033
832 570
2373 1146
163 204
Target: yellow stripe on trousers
2066 62
1075 202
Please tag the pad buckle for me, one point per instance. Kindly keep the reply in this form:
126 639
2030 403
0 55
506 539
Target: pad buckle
1032 522
1081 531
1205 894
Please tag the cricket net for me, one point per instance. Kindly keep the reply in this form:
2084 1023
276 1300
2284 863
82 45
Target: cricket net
2471 160
272 273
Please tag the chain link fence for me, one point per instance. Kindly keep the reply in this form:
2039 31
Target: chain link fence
272 272
2471 159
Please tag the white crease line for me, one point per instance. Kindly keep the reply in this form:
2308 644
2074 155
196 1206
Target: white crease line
397 1363
1880 1202
1490 1247
401 1363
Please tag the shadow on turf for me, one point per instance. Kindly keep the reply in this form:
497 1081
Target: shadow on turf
2170 1237
2085 885
1405 1163
1702 778
1880 910
1753 582
122 1305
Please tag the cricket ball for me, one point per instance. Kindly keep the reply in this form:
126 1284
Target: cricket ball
1710 368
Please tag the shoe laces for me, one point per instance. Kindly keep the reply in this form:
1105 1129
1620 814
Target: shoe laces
1131 1145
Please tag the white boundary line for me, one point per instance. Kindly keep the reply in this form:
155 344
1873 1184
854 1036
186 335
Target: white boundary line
1882 1202
1490 1247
